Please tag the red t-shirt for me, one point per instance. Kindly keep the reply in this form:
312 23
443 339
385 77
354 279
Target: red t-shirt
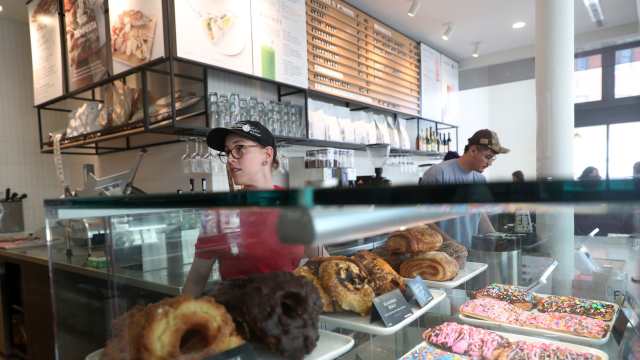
245 242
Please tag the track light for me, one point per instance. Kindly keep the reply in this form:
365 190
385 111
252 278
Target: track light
595 11
476 50
413 9
447 31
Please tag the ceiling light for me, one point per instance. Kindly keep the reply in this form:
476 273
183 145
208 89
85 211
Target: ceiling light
519 25
595 11
476 50
413 9
447 31
1 8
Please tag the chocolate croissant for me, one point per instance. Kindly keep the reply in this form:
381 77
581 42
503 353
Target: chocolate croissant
435 266
382 278
417 239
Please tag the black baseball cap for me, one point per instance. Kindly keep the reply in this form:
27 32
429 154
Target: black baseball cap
251 130
489 139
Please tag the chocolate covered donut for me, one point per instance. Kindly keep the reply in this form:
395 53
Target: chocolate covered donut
279 310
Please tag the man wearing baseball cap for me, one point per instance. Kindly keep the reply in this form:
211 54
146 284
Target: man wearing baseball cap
479 153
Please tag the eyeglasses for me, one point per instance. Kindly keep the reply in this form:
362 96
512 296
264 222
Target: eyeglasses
236 152
489 157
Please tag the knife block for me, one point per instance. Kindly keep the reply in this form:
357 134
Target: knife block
11 217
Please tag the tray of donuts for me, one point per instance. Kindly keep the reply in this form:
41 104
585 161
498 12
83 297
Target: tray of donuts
349 285
455 341
422 251
563 317
266 316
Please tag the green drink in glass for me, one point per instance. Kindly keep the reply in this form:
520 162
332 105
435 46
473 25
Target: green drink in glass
268 56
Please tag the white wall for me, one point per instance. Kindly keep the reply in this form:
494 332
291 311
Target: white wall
510 110
22 167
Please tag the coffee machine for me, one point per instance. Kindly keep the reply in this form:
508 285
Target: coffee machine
378 155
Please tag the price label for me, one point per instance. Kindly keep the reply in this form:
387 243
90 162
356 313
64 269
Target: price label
392 308
419 291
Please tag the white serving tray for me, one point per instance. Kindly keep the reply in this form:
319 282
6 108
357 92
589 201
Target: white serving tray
515 337
471 270
546 333
359 323
330 346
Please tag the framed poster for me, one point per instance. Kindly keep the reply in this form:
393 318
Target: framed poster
137 32
450 89
280 41
86 36
46 50
215 32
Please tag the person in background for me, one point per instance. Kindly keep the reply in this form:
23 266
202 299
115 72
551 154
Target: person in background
243 241
451 155
518 176
479 153
590 173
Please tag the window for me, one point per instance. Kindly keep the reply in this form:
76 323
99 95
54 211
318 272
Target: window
588 78
590 149
624 149
627 72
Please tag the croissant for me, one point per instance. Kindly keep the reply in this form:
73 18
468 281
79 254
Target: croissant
413 240
382 278
435 266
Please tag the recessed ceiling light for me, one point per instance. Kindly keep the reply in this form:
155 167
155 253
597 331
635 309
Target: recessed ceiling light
447 31
1 8
415 6
476 50
519 25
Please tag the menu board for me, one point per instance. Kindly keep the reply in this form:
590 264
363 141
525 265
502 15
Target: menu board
440 86
136 32
279 41
86 35
431 83
450 90
265 38
46 50
352 55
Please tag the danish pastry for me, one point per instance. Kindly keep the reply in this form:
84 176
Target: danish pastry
347 284
382 278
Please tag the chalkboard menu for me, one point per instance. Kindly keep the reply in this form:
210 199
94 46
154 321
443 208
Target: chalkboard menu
354 56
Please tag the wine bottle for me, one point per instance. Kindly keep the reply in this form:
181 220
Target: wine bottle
418 141
429 146
438 142
449 142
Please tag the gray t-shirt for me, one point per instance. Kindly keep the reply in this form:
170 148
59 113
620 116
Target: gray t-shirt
450 172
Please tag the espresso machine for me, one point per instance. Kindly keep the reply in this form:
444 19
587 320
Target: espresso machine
378 155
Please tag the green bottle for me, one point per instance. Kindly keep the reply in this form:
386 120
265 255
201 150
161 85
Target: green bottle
268 56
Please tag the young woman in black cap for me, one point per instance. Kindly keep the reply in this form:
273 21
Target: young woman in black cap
244 241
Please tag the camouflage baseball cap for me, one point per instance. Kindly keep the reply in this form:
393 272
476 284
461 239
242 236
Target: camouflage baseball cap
489 139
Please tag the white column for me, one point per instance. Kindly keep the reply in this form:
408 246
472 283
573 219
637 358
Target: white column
555 113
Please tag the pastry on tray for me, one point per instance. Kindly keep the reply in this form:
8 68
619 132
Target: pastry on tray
278 310
382 278
457 251
512 294
393 259
573 305
174 328
311 275
347 285
478 343
503 312
417 239
434 266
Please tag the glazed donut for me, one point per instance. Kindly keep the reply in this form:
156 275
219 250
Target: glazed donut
184 327
347 285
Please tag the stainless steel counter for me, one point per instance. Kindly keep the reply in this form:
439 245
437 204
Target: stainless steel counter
158 280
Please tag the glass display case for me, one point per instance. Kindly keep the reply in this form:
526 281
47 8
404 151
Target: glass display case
372 273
